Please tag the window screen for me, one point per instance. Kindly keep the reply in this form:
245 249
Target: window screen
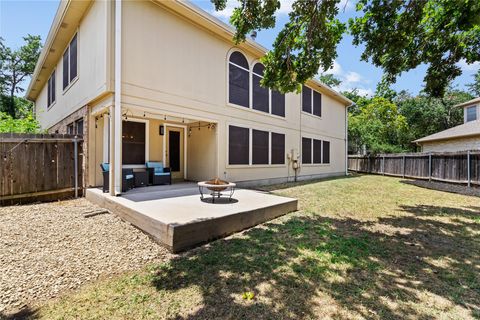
259 147
278 103
51 90
472 113
73 58
65 70
260 95
70 128
306 150
326 152
306 99
278 148
317 151
317 104
238 145
79 127
133 142
238 86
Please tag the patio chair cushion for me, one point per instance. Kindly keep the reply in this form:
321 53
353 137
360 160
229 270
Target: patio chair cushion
161 173
154 164
105 166
129 176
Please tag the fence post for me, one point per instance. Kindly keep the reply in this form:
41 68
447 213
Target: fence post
430 167
403 165
383 165
75 153
469 177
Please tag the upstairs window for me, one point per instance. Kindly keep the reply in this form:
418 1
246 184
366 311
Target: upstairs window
311 101
238 80
471 113
51 90
70 63
278 103
260 94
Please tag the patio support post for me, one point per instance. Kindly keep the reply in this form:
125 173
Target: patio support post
117 164
469 174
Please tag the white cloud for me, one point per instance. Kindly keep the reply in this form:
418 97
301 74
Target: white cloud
225 14
336 69
350 80
473 67
346 5
353 77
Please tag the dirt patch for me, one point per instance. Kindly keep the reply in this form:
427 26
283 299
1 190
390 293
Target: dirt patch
447 187
47 249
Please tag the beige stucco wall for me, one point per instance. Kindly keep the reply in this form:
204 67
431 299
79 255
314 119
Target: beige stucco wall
172 67
452 145
92 69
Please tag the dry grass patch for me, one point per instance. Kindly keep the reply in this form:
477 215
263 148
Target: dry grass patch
361 247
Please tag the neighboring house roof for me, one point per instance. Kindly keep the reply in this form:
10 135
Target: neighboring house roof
469 102
61 31
468 129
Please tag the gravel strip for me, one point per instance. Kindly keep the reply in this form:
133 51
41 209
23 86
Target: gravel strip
46 249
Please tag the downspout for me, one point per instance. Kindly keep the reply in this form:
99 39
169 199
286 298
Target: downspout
117 164
346 138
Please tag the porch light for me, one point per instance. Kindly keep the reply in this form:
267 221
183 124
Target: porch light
161 130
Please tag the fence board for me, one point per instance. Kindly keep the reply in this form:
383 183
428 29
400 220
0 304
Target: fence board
448 167
33 165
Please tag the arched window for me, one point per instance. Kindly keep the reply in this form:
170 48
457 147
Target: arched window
238 79
260 94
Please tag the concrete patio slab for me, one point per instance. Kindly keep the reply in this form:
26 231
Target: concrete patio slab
177 218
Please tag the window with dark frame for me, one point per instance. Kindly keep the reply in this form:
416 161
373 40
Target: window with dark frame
306 150
260 146
306 99
79 127
326 152
51 90
471 113
70 128
317 151
133 142
238 145
70 63
238 80
260 94
278 148
317 103
278 103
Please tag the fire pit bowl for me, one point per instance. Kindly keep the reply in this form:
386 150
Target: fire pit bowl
216 186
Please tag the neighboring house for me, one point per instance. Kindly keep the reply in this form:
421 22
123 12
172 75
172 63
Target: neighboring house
163 81
460 138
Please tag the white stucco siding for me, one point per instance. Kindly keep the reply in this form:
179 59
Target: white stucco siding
92 69
452 145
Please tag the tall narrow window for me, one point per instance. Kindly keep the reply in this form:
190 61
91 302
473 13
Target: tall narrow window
317 151
238 80
306 150
278 103
259 147
70 63
133 142
70 128
278 148
79 127
51 89
306 99
260 94
238 145
471 113
317 104
326 152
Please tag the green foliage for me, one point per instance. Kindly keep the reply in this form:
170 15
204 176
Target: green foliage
329 80
16 66
401 35
474 87
398 36
27 124
376 124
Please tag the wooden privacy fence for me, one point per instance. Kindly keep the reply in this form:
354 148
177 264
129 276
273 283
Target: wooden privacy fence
39 167
458 167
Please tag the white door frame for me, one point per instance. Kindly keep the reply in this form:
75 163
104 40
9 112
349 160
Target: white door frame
166 124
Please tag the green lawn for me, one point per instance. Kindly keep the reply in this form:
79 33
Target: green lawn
360 247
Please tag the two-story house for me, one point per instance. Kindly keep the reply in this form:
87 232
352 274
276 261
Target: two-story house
460 138
163 81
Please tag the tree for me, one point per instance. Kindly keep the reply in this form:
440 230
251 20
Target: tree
27 124
329 80
378 126
398 36
17 66
474 87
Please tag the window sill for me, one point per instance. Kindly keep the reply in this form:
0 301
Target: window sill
52 105
312 115
315 165
254 166
70 85
237 106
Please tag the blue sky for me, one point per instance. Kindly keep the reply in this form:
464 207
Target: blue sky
18 18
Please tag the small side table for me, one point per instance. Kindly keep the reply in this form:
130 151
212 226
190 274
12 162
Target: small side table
141 178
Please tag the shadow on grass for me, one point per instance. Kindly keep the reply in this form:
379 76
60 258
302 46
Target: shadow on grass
314 267
292 184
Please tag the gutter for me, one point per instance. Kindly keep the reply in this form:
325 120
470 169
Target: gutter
346 137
